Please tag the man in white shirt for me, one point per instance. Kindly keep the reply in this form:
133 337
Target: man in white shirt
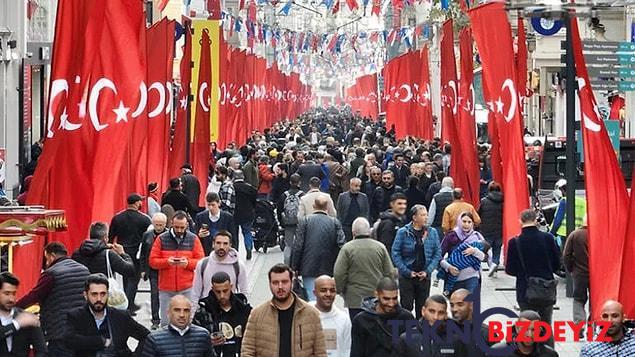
335 322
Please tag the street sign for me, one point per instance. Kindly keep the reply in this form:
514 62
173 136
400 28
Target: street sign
611 72
616 59
626 86
608 46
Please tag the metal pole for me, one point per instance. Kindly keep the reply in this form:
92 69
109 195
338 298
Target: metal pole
571 144
570 167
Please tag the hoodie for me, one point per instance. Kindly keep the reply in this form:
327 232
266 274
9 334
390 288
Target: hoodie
92 254
207 267
232 323
371 334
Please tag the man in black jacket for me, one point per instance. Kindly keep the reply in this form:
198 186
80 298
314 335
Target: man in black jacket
382 194
20 330
212 220
127 228
246 196
99 330
159 222
92 253
382 316
225 312
391 220
176 198
307 170
491 213
180 337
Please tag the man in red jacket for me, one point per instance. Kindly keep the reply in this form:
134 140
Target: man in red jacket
175 254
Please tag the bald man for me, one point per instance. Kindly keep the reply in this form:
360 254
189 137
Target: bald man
335 322
462 309
622 340
180 335
318 240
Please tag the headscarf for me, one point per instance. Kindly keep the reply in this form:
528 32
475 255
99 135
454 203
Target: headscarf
466 237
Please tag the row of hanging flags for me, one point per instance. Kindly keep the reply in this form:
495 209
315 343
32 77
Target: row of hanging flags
363 96
110 127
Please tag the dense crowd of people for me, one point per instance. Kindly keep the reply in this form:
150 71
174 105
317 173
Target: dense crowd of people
357 213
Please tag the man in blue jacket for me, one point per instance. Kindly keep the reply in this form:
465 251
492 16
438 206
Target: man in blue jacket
416 252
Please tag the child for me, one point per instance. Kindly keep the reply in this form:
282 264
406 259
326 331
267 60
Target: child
460 261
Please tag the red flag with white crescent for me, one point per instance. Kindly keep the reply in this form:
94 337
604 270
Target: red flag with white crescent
467 127
200 148
97 70
397 86
449 84
180 139
499 73
610 262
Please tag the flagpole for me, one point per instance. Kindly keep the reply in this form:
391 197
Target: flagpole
571 163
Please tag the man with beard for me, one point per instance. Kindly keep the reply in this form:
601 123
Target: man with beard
225 314
286 325
159 221
622 340
525 345
416 342
99 330
391 220
372 332
223 258
175 254
351 205
382 195
373 183
335 322
20 330
462 308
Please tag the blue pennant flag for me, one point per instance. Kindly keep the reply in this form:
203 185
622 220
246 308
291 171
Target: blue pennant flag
328 3
286 8
237 25
445 4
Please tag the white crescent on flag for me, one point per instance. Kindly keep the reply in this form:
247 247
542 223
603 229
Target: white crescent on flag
102 83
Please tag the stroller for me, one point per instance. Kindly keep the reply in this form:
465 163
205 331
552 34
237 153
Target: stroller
266 231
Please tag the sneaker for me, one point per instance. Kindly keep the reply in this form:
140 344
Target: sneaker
155 326
249 254
492 270
435 283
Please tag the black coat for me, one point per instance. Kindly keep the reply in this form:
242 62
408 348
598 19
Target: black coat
246 196
92 254
416 343
86 340
381 200
191 188
491 212
179 201
306 171
387 229
22 340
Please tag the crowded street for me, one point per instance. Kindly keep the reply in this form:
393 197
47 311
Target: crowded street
333 178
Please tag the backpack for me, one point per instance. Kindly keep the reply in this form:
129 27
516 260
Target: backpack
374 231
291 208
236 270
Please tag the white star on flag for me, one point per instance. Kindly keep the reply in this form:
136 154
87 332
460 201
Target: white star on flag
121 112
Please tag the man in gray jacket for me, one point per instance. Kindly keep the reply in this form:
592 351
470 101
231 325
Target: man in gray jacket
350 205
317 243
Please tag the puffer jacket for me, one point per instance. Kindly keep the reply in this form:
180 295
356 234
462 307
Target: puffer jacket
168 342
317 243
491 212
371 334
92 254
403 250
262 332
175 277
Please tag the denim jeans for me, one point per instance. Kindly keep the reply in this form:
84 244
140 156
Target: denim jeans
309 285
496 245
473 285
249 238
289 237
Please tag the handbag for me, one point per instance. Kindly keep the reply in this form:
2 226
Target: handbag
116 296
540 291
298 289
